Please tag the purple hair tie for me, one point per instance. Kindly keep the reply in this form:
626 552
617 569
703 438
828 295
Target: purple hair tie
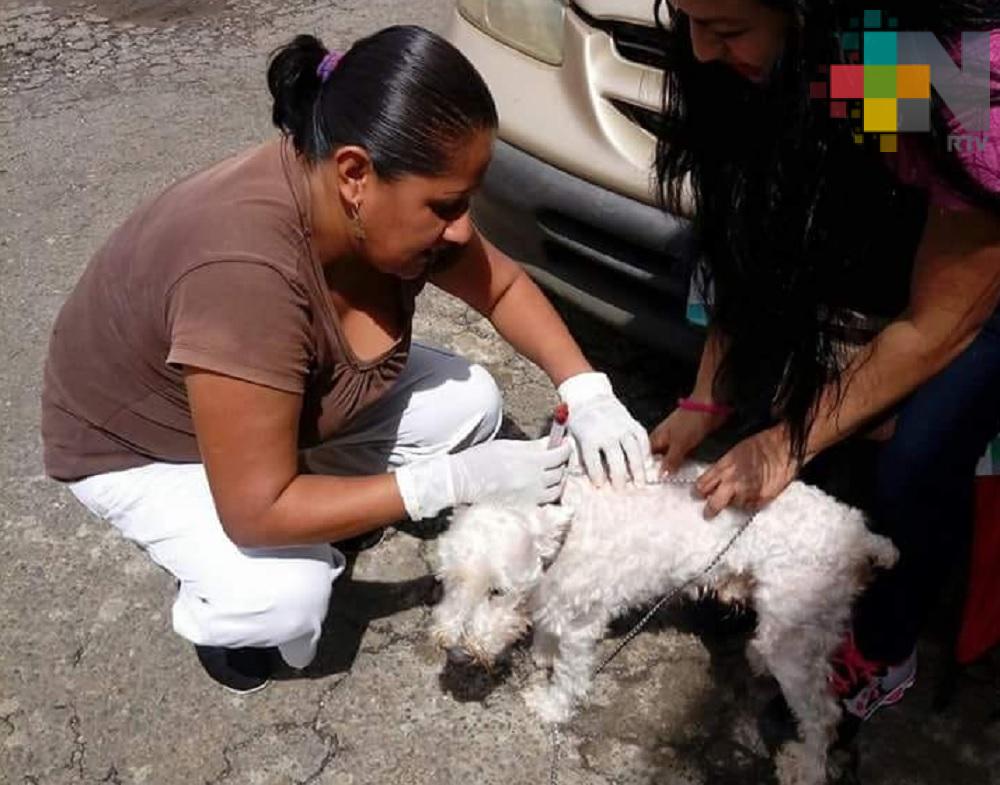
327 64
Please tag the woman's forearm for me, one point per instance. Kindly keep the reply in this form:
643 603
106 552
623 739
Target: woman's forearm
253 465
708 367
528 322
316 508
955 288
496 286
898 361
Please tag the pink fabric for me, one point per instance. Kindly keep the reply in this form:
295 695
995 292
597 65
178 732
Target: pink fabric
912 166
691 405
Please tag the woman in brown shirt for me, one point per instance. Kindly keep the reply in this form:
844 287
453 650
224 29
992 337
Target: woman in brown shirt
232 382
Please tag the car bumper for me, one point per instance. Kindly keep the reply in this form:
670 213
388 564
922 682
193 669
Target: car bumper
624 262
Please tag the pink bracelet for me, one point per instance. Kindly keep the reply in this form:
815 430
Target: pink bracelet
691 405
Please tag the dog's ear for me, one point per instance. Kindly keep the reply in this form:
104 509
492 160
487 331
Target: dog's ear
548 525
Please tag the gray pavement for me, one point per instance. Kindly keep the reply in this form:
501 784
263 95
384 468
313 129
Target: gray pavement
101 105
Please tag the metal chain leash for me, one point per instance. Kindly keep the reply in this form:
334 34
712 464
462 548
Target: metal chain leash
674 592
554 768
641 624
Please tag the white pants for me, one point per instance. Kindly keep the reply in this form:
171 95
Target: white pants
231 596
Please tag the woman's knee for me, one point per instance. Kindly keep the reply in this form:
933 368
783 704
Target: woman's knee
461 407
920 466
270 600
923 492
297 600
943 428
483 400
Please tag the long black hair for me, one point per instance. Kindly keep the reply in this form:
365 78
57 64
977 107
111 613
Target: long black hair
404 94
797 221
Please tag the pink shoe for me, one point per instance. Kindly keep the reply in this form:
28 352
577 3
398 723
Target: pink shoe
865 686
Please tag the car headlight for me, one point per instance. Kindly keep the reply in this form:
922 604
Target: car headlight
534 27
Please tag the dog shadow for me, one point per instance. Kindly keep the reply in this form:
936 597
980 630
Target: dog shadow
715 750
354 606
709 746
474 683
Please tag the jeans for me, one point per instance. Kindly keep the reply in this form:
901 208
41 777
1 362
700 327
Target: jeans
917 489
922 497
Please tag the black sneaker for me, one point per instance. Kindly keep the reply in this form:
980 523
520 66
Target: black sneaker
238 670
362 542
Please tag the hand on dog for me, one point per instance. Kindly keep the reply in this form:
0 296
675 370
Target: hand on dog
679 434
605 432
751 474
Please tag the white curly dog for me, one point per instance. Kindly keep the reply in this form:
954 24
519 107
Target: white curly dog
566 571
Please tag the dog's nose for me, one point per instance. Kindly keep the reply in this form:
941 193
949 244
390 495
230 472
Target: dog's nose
458 656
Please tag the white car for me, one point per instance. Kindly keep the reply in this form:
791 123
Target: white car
570 192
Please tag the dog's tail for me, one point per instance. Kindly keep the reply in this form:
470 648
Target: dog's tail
881 551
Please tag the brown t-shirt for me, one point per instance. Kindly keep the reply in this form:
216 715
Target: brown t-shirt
215 272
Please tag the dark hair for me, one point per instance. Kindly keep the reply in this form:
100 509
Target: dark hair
797 221
404 94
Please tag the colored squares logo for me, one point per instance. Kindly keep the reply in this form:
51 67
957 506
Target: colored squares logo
850 41
847 82
880 81
880 115
896 98
880 48
889 115
853 82
873 87
914 114
913 81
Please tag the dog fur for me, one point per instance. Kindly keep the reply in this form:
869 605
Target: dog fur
566 571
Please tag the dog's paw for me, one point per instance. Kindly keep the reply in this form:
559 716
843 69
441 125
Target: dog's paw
547 704
544 649
795 766
542 659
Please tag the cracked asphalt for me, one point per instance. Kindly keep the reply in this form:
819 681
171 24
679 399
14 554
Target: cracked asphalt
102 104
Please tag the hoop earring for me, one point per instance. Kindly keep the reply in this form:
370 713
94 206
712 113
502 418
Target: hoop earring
357 228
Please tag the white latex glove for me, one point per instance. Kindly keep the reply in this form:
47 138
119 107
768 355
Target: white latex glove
601 425
503 472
